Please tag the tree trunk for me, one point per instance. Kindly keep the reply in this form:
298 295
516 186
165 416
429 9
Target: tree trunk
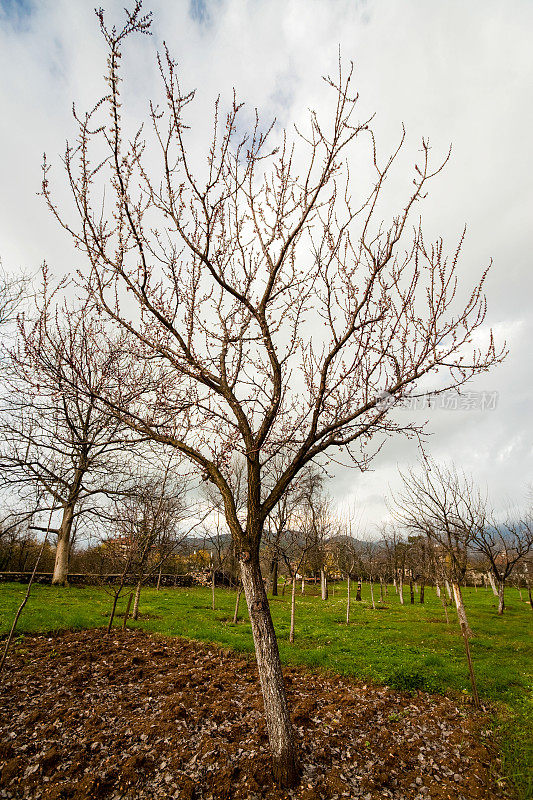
501 597
158 587
282 745
412 593
461 613
238 600
358 595
372 594
323 584
303 585
530 596
448 589
400 588
381 590
437 589
213 590
60 576
422 590
492 584
348 603
135 612
293 609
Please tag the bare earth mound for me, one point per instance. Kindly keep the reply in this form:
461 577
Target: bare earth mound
137 716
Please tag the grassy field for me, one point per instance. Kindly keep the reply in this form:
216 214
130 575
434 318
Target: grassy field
409 647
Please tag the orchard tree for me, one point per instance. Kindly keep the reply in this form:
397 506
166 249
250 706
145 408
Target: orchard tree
280 534
57 440
217 538
346 551
321 527
147 520
504 546
370 556
299 539
395 547
270 303
444 506
439 503
418 560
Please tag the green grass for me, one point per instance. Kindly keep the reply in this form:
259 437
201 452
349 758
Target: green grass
408 647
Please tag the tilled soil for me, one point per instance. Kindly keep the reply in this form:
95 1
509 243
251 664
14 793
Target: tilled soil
138 716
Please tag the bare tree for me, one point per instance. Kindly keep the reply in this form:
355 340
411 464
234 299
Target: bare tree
504 547
300 540
419 562
278 533
346 557
220 547
55 435
347 551
16 538
370 558
216 532
217 537
147 519
273 306
395 546
444 506
119 556
321 527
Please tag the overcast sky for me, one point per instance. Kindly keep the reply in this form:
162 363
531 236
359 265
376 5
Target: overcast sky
456 72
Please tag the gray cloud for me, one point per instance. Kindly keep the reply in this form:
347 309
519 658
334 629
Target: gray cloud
456 72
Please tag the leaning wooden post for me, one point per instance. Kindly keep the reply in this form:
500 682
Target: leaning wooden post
348 602
236 612
293 608
127 612
28 590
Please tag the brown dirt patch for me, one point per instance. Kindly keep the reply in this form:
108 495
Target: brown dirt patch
138 716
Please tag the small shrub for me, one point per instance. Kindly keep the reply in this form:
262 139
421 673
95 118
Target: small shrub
408 680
